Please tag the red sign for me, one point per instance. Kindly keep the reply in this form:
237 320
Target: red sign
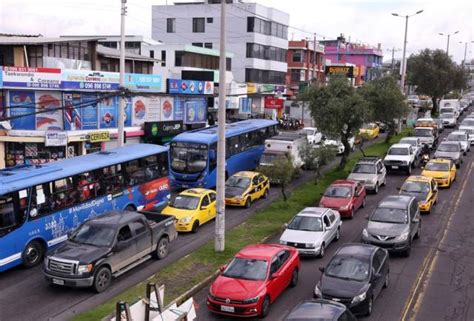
273 103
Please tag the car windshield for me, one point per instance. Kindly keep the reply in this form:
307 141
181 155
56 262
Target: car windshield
308 132
364 169
398 151
348 268
238 181
188 157
246 269
416 187
185 202
468 122
420 132
447 115
442 167
306 223
412 97
456 137
338 191
390 215
92 234
448 148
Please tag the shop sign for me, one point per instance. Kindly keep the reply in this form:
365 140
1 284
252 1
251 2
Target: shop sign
273 103
195 110
348 71
190 87
245 105
34 78
163 129
266 89
144 82
55 138
22 105
102 136
90 80
251 88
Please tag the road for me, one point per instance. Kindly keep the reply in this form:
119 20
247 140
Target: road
434 283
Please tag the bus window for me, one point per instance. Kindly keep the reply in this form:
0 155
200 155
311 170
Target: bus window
163 164
7 212
213 161
41 200
112 179
135 173
63 194
152 169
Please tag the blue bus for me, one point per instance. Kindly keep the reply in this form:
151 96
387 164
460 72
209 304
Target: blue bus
193 154
40 204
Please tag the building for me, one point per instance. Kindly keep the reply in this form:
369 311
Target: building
305 64
257 37
367 59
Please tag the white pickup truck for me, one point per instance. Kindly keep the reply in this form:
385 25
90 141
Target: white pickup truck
313 134
400 156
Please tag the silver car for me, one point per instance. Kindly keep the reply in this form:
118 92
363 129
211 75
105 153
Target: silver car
449 119
462 138
450 150
370 172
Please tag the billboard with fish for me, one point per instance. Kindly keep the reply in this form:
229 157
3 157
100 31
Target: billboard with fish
49 114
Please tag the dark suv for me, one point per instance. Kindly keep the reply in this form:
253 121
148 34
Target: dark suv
394 224
320 310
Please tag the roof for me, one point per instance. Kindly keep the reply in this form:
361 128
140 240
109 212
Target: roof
323 309
246 174
409 138
439 160
288 137
401 145
208 135
196 191
21 177
395 201
344 182
417 178
115 53
369 159
357 249
313 211
260 251
115 218
42 40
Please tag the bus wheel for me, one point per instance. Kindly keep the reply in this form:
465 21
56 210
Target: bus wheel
33 254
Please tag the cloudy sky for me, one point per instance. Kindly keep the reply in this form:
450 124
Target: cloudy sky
365 21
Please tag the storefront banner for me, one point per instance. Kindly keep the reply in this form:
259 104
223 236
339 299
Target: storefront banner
108 112
178 112
144 82
55 138
49 108
166 108
128 112
89 111
266 89
245 105
190 87
196 110
273 103
99 136
348 71
251 88
145 109
72 111
230 103
22 104
163 128
90 80
24 77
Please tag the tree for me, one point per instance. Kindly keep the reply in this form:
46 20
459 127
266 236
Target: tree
435 74
316 156
281 172
386 102
338 110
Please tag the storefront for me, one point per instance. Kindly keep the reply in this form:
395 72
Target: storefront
163 132
273 106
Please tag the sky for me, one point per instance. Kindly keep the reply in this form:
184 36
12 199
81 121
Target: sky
364 21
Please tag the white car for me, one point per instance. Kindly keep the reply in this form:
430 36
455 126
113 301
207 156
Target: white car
400 156
337 144
468 125
314 136
312 230
415 142
449 119
462 138
413 100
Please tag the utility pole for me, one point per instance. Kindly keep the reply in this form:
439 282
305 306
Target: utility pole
219 242
121 111
393 59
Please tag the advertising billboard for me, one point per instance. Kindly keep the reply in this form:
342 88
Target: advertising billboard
190 87
34 78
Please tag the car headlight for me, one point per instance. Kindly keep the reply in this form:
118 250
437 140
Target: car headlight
310 245
365 233
251 300
317 291
344 208
403 236
186 219
82 269
359 298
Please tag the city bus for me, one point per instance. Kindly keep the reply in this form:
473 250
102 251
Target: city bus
40 204
193 154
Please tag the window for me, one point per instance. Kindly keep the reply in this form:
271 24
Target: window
208 45
250 24
124 234
212 197
152 53
264 76
197 44
12 210
112 179
198 25
163 58
332 217
171 25
413 209
205 201
233 146
326 221
210 20
379 258
298 56
138 227
35 56
265 27
283 257
275 265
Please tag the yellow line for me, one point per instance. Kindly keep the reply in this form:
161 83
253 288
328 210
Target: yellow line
430 261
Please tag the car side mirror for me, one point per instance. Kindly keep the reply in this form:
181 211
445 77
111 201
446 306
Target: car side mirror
275 275
285 225
222 267
377 276
415 220
367 217
398 188
322 269
204 207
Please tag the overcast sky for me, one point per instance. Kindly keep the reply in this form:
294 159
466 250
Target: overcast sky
366 21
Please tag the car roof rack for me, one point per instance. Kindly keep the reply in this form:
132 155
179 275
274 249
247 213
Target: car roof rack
369 159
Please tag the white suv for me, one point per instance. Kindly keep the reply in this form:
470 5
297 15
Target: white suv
313 135
400 156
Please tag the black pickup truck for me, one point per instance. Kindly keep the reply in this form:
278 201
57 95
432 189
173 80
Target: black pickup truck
108 246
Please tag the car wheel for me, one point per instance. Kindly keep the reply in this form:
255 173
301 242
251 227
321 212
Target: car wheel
384 183
265 307
33 254
418 232
102 279
376 189
351 213
265 194
363 202
130 208
322 250
248 202
370 305
407 251
195 226
294 278
409 170
387 280
162 248
338 234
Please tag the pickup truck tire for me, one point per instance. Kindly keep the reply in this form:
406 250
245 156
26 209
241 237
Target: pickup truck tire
102 279
409 169
33 254
161 248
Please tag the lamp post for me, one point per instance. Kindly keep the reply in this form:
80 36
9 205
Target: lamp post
448 35
402 80
465 50
393 57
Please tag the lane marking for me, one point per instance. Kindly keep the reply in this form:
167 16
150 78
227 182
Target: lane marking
417 293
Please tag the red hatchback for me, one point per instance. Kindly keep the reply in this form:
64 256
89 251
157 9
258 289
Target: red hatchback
345 196
254 278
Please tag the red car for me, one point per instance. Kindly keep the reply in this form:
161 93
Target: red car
345 196
254 278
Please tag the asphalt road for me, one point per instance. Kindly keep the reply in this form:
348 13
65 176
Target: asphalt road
434 283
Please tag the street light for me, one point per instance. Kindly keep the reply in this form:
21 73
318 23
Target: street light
404 67
393 57
465 50
448 35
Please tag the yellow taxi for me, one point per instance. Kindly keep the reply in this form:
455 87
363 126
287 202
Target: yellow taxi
442 170
192 208
242 188
424 189
369 131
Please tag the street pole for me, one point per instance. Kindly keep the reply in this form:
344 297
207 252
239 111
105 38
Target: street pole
447 46
402 80
121 111
219 242
393 59
465 52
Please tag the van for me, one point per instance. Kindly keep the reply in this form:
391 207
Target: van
283 145
450 106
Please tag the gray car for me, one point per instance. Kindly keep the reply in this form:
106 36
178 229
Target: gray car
370 172
394 224
462 138
450 150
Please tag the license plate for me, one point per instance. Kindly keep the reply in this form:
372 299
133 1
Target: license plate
227 309
58 282
395 167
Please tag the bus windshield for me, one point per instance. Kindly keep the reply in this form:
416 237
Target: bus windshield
188 157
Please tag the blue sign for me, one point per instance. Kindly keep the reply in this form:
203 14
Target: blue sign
23 106
196 110
128 112
90 80
245 105
89 111
179 108
144 82
108 108
190 87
